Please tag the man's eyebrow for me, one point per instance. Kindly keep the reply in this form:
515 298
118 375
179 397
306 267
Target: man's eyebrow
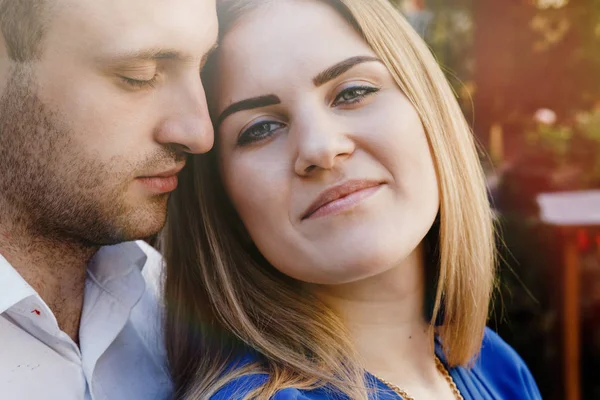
248 104
341 67
150 55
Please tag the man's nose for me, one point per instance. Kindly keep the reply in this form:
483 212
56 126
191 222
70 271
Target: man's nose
187 125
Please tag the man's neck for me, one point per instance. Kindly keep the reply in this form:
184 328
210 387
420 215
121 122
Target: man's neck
55 269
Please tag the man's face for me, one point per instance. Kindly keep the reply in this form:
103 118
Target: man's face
93 133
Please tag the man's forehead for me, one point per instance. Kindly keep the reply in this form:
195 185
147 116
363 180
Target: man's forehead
141 6
127 26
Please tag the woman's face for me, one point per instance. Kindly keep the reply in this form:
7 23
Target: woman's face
324 158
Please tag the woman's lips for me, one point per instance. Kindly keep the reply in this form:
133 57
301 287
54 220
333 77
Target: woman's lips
341 198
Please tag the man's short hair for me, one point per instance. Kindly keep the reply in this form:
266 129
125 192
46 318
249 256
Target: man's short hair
22 23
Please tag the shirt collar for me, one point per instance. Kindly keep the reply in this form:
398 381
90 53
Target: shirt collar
13 288
112 263
109 264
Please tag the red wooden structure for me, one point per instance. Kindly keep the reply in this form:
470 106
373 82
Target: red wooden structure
577 215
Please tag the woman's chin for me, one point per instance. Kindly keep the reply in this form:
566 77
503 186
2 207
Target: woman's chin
347 270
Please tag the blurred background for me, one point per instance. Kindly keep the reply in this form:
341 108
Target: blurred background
527 74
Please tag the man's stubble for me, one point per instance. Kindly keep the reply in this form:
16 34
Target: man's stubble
51 189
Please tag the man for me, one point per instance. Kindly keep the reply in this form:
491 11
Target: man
100 103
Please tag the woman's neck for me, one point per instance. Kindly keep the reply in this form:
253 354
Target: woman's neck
385 318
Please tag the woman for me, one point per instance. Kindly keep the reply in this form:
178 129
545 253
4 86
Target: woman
338 242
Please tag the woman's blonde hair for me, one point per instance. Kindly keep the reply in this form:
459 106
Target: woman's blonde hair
225 300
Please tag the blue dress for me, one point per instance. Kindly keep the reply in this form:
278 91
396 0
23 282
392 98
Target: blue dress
498 374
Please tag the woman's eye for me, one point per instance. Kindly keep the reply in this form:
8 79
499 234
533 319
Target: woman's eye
354 95
259 131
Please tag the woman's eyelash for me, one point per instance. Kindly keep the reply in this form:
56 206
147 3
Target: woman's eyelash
259 131
357 94
140 84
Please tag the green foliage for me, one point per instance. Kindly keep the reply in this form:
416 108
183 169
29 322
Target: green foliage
555 139
574 145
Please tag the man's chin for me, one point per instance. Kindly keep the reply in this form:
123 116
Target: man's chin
142 222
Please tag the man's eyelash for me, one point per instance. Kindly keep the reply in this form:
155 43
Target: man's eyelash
140 84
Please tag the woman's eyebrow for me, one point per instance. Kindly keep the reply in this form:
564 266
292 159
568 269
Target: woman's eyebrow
248 104
341 67
319 80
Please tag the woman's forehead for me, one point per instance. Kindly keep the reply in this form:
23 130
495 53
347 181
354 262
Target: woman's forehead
287 42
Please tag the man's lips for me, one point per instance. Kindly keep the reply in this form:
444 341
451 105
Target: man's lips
162 182
166 173
341 198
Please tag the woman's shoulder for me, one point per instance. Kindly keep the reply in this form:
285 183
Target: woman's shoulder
501 371
494 347
240 387
497 355
498 373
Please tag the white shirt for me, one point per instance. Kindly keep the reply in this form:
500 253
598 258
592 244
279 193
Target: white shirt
121 354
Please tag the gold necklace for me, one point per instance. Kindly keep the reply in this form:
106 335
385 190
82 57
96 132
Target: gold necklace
440 366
